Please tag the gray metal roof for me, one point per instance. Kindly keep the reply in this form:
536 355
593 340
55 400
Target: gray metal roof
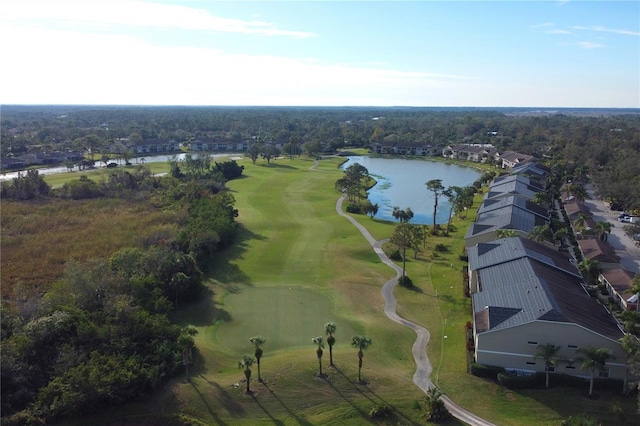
514 217
527 180
505 250
525 290
513 187
492 204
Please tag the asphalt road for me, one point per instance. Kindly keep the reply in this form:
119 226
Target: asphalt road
623 245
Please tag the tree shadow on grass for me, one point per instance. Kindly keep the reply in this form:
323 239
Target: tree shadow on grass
213 414
291 413
376 399
202 312
227 400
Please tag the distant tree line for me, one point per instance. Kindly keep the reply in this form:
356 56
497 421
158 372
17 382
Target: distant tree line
603 144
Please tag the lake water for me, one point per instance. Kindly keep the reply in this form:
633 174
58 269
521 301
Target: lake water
401 183
138 160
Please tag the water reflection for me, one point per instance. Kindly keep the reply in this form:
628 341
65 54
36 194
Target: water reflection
401 183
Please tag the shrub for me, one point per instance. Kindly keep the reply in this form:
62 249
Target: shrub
380 411
395 255
512 381
486 371
353 208
405 282
442 248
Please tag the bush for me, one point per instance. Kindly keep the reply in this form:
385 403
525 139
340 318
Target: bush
512 381
442 248
486 371
354 208
406 282
380 411
395 255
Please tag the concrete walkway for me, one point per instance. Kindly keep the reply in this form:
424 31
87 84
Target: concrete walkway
419 349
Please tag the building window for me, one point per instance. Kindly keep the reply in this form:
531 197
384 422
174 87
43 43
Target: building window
531 342
573 347
604 373
531 363
551 369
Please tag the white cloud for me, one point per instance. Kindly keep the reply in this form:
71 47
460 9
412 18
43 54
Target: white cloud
589 45
558 32
72 67
599 28
135 13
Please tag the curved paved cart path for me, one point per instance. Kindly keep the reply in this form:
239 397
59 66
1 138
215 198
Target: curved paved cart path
419 349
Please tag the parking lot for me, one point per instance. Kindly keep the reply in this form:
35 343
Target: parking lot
623 245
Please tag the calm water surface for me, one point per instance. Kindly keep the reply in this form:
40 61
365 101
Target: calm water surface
401 183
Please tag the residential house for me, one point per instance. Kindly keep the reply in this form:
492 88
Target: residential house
524 296
600 251
618 283
513 185
405 148
531 169
511 159
478 153
511 217
153 146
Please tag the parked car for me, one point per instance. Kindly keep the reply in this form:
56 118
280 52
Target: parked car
625 219
621 215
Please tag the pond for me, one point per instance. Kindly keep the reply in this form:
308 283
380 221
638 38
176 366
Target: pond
401 183
136 160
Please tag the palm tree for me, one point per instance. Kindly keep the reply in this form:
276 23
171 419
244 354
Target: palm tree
403 237
539 233
594 359
435 185
589 268
604 229
361 343
581 220
257 342
505 233
560 235
320 342
549 354
246 362
330 329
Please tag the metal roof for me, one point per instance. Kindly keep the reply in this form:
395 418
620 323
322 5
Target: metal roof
507 249
525 290
492 204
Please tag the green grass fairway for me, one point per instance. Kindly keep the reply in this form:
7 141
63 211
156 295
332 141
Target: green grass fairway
285 316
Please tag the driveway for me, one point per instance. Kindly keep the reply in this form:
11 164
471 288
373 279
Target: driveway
623 245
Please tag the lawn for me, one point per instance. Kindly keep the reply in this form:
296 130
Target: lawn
292 238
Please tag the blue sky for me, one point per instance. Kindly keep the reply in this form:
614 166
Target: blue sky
324 53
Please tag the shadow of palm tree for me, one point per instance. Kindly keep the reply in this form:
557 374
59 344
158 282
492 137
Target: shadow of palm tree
227 400
213 414
291 413
273 419
376 401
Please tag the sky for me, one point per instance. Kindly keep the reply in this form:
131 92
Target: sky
321 53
